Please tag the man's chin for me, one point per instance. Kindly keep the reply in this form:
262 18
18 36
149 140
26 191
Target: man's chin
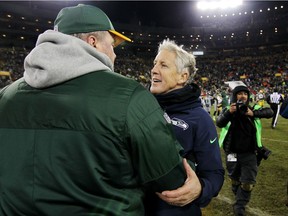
155 91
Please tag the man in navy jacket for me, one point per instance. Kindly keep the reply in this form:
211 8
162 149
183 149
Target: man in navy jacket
171 85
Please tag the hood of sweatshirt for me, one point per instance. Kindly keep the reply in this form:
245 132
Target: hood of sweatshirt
58 57
239 89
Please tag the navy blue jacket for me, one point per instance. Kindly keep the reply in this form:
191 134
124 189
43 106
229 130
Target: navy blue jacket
197 134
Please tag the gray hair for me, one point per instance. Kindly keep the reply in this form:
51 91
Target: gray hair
83 36
185 61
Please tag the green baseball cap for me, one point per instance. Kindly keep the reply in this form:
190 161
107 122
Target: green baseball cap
83 19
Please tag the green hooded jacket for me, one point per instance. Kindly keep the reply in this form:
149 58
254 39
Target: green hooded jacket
83 140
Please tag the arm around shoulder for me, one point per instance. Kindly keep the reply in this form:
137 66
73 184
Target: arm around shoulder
154 149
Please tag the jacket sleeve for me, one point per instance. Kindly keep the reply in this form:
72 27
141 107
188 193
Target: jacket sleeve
263 113
154 150
224 117
209 167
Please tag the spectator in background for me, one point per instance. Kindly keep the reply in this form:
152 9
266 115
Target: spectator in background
206 101
73 153
225 98
260 98
240 138
217 104
274 100
171 83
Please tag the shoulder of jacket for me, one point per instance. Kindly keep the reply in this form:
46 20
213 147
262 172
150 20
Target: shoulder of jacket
256 107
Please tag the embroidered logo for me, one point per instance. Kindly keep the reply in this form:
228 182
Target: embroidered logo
179 123
167 118
212 141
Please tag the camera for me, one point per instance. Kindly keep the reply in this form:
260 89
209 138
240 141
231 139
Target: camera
264 152
242 108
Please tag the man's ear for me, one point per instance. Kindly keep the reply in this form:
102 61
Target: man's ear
92 40
183 78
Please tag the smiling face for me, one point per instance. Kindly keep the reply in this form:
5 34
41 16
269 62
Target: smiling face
242 95
164 74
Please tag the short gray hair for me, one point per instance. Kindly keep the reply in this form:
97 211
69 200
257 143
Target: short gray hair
83 36
185 61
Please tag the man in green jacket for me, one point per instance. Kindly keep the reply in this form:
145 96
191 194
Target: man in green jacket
78 138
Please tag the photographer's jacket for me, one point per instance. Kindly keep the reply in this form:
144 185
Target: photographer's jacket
237 128
85 141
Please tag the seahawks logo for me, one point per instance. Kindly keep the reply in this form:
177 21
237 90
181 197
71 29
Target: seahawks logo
179 123
167 118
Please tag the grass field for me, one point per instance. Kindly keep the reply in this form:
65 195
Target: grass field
269 196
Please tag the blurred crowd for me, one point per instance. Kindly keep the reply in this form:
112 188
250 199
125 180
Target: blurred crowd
259 69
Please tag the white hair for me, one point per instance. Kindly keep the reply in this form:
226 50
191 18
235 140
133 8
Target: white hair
185 61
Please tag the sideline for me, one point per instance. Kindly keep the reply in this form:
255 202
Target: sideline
264 138
274 140
254 211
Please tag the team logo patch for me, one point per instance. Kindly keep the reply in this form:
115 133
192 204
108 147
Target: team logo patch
167 118
179 123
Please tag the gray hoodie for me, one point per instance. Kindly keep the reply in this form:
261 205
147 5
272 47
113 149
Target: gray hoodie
58 57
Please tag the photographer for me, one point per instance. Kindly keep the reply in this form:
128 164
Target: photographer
240 138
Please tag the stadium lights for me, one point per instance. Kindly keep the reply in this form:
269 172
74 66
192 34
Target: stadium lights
198 53
220 4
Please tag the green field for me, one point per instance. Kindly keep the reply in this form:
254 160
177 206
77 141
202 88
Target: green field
270 193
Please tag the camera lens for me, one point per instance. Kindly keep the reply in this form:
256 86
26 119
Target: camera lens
241 107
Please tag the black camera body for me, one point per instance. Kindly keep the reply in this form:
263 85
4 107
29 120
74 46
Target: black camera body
242 108
264 152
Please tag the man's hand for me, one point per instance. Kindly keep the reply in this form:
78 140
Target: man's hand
249 112
185 194
233 108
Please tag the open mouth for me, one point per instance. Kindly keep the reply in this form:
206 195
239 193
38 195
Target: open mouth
156 80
